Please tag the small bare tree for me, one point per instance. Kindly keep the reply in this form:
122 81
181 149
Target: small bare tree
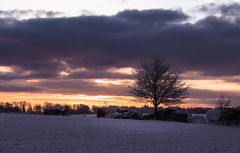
155 83
223 102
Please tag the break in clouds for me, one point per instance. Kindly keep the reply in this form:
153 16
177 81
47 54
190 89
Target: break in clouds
68 53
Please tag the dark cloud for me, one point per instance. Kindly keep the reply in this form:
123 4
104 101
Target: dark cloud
78 86
153 16
207 7
230 10
88 41
106 41
14 88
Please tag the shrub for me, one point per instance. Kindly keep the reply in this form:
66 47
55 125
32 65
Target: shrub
100 112
231 116
169 115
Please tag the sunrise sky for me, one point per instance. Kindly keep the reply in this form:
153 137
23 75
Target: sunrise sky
77 51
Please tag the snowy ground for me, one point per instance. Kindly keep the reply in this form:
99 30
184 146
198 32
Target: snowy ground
78 134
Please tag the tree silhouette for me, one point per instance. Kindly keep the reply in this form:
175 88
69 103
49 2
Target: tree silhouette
223 103
155 83
37 109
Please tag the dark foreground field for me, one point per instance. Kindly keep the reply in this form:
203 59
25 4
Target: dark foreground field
78 134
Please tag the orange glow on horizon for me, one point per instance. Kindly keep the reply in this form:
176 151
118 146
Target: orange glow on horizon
50 95
40 98
99 100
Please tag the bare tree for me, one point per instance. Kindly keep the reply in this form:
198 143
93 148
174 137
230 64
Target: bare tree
37 109
155 83
223 102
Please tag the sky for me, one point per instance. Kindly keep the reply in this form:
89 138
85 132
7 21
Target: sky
75 51
107 7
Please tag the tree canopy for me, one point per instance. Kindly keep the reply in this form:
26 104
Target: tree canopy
155 83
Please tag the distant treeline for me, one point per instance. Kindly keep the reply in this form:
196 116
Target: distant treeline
51 108
46 108
65 109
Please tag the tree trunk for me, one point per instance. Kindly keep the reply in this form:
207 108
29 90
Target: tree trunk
155 111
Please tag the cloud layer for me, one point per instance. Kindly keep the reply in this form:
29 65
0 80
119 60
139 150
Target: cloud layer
85 47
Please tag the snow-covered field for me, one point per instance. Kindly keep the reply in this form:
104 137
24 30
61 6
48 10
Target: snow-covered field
78 134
